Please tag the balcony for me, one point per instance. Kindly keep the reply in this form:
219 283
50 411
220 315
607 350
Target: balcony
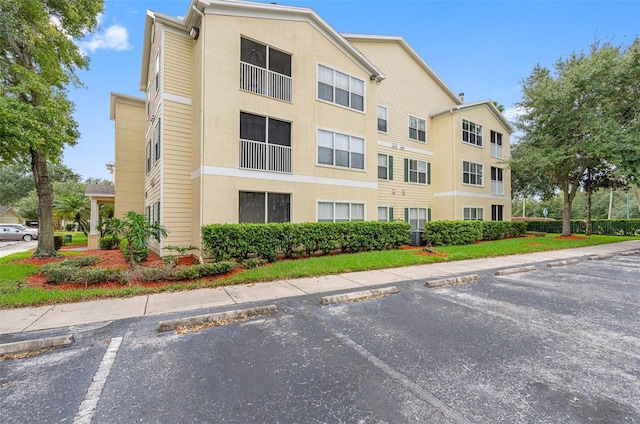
265 157
497 187
265 82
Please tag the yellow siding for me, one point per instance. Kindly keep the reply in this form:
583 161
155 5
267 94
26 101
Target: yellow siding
178 72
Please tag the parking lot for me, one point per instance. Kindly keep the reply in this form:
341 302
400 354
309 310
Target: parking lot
553 345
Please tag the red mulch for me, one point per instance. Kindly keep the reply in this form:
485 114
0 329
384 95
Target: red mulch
571 237
421 250
111 259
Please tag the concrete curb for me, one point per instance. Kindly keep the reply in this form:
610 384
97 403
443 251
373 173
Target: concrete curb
37 344
516 270
563 263
217 317
599 257
360 295
629 253
472 278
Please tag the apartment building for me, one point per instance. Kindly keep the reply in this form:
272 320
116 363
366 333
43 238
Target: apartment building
257 112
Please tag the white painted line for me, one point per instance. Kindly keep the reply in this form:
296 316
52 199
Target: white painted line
90 402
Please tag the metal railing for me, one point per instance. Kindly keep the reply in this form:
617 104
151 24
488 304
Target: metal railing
497 187
265 82
265 157
496 150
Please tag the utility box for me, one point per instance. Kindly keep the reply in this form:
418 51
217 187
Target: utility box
416 238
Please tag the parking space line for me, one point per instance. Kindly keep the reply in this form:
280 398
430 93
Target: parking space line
90 402
439 405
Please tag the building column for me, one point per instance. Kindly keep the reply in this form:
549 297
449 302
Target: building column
92 242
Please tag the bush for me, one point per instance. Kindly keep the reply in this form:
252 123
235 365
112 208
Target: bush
152 274
446 233
253 263
79 261
139 254
612 227
108 243
70 227
266 241
61 272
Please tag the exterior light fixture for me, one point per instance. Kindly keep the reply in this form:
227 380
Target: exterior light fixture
194 33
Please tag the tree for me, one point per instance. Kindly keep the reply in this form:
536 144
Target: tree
498 106
576 118
75 207
37 64
136 230
16 181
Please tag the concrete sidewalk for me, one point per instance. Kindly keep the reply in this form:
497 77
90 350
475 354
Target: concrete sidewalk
62 315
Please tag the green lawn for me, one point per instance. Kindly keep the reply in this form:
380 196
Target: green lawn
13 292
77 237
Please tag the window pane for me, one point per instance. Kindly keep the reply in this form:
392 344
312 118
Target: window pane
279 207
342 158
342 97
342 212
279 132
253 53
383 214
357 160
357 86
413 133
357 102
279 62
382 112
325 139
342 81
252 207
325 75
342 142
325 92
357 212
357 144
325 156
252 127
421 124
325 211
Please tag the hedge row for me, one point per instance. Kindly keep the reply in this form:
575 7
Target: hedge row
443 233
79 271
612 227
267 241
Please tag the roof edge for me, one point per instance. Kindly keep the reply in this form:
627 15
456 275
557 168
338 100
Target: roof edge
124 98
492 107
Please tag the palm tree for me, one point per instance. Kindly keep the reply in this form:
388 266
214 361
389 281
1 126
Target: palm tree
136 230
75 207
498 106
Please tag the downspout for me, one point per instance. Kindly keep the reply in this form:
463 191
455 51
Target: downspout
453 159
202 91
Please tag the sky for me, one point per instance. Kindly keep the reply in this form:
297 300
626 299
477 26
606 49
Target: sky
482 48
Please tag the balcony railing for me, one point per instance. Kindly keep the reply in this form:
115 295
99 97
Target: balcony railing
267 83
265 157
497 187
496 150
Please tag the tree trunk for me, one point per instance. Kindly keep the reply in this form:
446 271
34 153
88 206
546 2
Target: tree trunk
566 214
46 245
587 230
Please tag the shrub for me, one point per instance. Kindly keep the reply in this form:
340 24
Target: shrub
139 254
57 274
622 227
61 272
108 243
152 274
70 227
253 263
79 261
445 233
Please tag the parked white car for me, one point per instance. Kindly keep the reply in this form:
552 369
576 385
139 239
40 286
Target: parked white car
10 232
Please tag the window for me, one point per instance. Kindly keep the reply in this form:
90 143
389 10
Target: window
156 213
417 129
339 88
147 213
340 212
473 214
265 70
496 144
385 213
264 207
157 76
497 182
385 167
471 173
265 143
148 158
417 171
496 212
383 114
416 217
156 142
341 150
471 133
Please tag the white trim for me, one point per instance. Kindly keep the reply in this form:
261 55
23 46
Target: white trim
404 148
178 99
258 175
334 166
476 208
349 202
474 195
364 95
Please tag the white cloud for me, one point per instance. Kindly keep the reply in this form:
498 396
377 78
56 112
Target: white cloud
513 113
114 38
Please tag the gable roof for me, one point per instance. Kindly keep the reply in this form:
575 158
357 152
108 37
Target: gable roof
412 53
4 209
100 190
483 103
255 10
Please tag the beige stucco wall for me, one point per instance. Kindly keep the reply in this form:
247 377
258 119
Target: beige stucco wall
129 155
223 101
451 194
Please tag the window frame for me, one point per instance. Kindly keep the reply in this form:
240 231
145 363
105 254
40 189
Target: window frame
477 135
497 212
408 171
267 137
266 205
334 203
156 141
350 151
408 217
385 120
157 73
148 157
334 88
417 129
478 174
472 210
495 139
389 213
388 167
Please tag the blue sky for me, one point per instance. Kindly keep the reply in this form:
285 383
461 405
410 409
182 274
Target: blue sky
481 48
